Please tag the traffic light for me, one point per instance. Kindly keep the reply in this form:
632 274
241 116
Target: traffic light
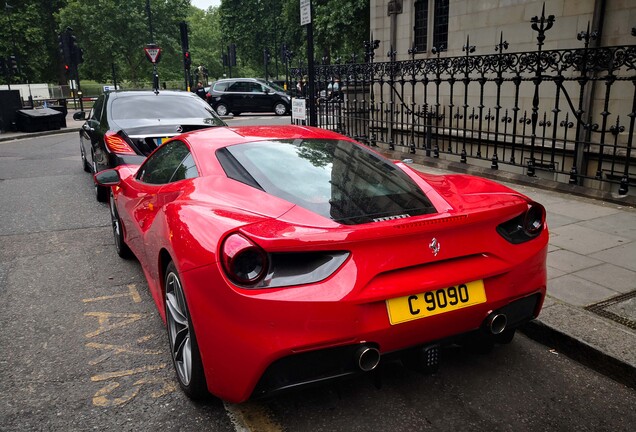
64 46
77 54
187 60
266 56
67 70
13 64
232 50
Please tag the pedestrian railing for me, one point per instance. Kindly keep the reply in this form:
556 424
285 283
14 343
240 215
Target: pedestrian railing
565 114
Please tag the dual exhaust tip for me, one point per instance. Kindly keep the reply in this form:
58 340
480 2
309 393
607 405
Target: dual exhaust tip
367 358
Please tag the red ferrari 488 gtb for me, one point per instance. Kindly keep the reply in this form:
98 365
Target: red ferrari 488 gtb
282 256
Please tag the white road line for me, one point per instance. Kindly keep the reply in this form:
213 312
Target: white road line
251 417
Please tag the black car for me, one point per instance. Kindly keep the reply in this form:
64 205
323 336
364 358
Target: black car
238 95
126 126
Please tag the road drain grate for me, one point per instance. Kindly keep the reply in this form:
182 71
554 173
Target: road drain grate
601 309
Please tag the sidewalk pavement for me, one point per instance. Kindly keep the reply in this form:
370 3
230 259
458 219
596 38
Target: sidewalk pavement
590 310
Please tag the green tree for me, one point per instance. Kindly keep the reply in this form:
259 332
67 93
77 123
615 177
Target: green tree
115 31
27 31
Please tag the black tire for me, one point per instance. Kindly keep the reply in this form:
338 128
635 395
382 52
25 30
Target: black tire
280 108
101 192
222 109
85 164
118 231
182 339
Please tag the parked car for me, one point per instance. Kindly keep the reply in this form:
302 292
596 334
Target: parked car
283 255
239 95
126 126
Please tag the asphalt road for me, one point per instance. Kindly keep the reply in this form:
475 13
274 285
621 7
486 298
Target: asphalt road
83 348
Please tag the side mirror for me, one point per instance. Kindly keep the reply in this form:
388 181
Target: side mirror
108 177
267 90
80 115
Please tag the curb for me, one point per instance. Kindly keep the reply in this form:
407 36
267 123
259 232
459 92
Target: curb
38 134
581 352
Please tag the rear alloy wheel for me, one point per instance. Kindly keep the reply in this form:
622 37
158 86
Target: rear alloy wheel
222 109
85 164
183 342
280 109
101 193
118 233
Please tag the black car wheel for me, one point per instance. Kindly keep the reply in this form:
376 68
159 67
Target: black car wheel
101 193
183 342
280 109
222 109
118 231
85 164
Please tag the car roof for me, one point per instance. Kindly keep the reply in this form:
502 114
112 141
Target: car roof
133 93
207 141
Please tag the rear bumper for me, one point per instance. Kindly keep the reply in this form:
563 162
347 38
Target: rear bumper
247 337
314 367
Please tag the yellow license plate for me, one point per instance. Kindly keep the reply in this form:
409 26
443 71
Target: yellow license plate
416 306
162 140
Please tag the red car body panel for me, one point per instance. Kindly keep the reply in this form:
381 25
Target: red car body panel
241 332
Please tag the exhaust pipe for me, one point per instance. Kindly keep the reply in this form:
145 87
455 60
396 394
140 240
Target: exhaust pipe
496 323
367 358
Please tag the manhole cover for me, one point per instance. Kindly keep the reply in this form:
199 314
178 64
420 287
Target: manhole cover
621 309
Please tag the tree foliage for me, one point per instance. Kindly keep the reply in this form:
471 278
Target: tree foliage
114 32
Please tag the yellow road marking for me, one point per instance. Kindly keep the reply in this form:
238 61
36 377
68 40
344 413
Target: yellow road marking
104 320
132 293
251 417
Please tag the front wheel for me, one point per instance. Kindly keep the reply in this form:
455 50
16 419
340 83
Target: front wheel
222 109
183 342
280 109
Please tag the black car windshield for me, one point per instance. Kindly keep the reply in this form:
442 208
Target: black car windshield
336 179
164 106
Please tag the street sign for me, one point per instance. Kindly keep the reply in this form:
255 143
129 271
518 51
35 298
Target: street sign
299 112
153 52
305 12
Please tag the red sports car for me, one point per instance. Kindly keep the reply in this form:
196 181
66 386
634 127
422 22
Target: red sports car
282 256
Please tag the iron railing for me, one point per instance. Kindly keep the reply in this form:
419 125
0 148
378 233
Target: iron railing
566 114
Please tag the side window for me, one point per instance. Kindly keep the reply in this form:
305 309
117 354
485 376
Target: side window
236 87
221 86
96 111
172 162
254 87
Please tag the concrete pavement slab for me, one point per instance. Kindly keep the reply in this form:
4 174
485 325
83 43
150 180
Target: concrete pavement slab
622 224
583 240
578 291
569 261
610 276
624 256
582 210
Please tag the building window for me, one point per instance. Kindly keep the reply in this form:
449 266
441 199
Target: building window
421 25
438 24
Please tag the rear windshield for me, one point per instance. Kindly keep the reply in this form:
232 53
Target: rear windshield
153 106
336 179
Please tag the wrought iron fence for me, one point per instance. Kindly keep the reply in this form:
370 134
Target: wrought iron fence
568 114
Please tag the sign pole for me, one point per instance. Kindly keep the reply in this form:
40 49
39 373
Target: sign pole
306 19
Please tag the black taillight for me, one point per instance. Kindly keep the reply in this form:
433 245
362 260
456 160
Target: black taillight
243 261
524 227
